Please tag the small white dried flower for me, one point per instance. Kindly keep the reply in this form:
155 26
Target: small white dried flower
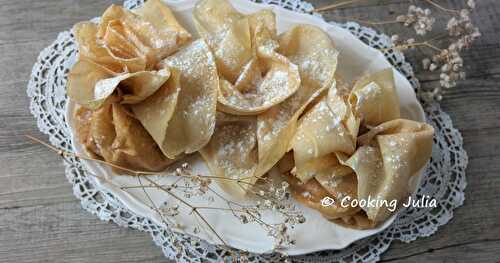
301 219
471 4
194 242
169 211
426 62
419 18
401 18
244 219
395 39
243 258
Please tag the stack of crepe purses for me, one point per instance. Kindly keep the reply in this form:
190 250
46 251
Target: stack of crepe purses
266 81
133 82
356 146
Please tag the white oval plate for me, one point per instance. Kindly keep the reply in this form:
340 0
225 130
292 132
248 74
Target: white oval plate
355 59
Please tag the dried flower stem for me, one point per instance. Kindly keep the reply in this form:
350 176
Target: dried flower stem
406 46
426 43
333 6
194 209
153 206
134 172
151 186
70 154
368 22
165 188
440 7
64 153
276 230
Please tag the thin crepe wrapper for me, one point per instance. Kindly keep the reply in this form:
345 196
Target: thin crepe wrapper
254 77
247 98
305 46
313 191
89 48
333 124
212 16
150 32
125 41
357 221
391 154
276 126
333 180
155 112
124 45
372 101
232 152
327 128
193 122
113 135
90 84
117 63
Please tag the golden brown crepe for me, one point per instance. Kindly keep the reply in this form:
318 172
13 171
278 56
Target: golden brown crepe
327 128
374 99
89 84
254 76
313 51
258 76
193 121
390 155
150 33
89 48
113 135
313 192
156 111
121 52
118 65
332 125
380 164
276 126
232 152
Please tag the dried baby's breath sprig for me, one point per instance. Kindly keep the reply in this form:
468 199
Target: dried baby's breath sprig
170 210
192 185
462 33
445 57
270 198
278 199
418 18
410 43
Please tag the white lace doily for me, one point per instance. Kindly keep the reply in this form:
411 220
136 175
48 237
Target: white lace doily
443 180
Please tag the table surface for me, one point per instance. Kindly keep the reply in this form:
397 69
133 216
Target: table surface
41 220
